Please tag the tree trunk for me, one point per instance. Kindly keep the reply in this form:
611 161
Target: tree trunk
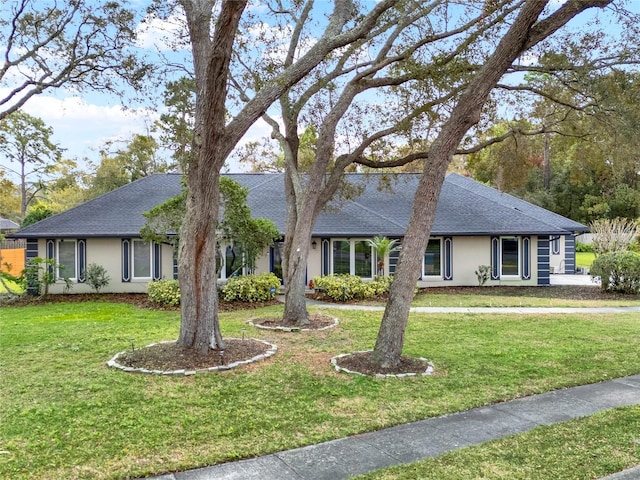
466 113
199 328
295 306
390 340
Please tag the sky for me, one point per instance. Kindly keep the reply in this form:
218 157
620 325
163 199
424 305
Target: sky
82 124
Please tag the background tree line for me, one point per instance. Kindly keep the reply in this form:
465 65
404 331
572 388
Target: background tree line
581 161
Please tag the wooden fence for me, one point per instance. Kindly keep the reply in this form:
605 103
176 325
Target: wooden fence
12 253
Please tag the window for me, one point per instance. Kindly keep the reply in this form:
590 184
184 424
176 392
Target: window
141 259
67 260
363 259
433 259
233 261
510 257
354 257
341 257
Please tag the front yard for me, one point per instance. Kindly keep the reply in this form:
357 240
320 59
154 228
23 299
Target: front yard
65 415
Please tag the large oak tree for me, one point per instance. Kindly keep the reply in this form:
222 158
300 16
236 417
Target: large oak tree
215 138
398 84
528 25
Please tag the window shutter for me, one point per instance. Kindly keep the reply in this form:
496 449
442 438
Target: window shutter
526 258
175 264
543 260
157 261
82 260
495 258
126 260
325 256
448 258
51 254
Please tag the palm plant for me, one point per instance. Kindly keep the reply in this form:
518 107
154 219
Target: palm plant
383 246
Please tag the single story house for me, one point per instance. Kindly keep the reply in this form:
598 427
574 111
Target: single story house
475 225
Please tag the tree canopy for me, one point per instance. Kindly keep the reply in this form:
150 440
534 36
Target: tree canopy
85 45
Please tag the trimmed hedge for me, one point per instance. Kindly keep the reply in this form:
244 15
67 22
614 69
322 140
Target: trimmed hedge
251 288
342 288
164 292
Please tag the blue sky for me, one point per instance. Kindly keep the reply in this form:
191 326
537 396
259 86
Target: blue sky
83 123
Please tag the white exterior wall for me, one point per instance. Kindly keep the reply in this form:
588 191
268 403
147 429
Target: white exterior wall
314 260
468 253
107 252
263 263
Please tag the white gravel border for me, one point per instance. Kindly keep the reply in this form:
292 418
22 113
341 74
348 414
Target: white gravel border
294 329
113 363
334 362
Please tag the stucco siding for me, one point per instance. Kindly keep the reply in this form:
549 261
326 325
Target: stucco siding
472 251
314 264
107 252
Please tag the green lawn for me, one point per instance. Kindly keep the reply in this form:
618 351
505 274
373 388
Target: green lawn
584 259
555 296
587 448
65 415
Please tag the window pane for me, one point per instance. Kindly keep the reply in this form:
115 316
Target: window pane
363 260
341 262
233 261
67 259
141 260
509 256
432 258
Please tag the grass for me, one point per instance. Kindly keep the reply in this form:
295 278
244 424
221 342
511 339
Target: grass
590 447
556 296
65 415
584 259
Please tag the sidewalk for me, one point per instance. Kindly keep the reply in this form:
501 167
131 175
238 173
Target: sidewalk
342 458
497 310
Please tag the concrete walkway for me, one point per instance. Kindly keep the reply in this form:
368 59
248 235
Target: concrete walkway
342 458
496 310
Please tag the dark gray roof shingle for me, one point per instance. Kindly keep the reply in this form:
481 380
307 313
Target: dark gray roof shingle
6 224
466 207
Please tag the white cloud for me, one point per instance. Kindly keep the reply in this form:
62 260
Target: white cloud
163 35
82 128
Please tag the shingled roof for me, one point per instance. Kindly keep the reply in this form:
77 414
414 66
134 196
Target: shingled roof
466 207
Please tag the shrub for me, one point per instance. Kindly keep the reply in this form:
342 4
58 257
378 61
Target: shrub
618 271
483 273
613 234
38 274
96 276
343 288
164 292
583 247
251 288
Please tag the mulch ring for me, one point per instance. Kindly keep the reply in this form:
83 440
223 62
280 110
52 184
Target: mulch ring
360 363
317 322
171 358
